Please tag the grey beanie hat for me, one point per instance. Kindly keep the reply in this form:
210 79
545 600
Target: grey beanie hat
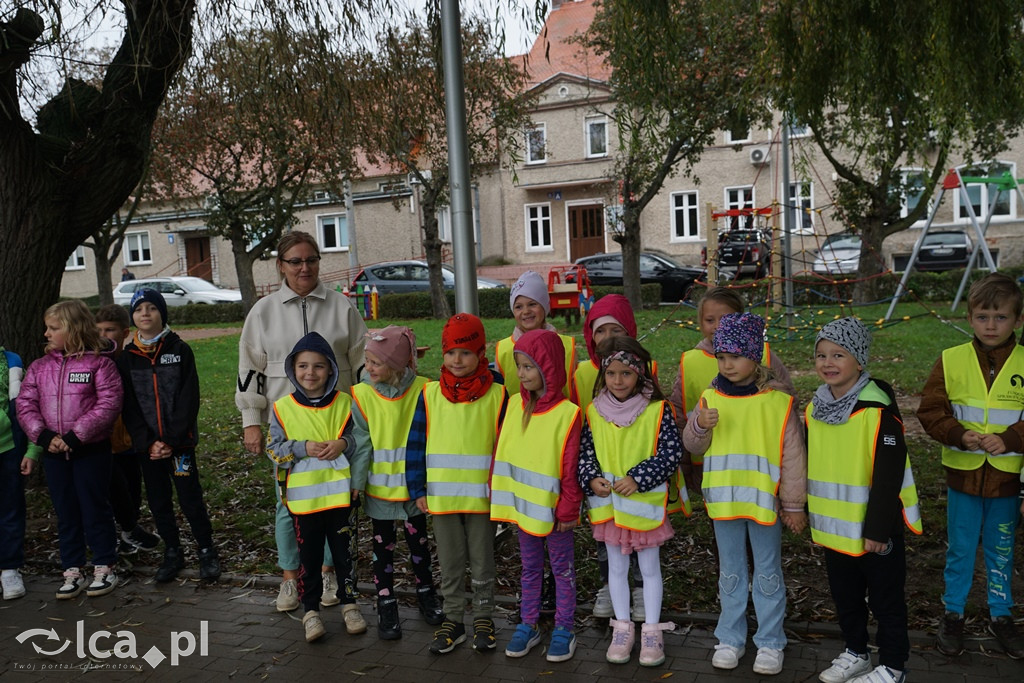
851 334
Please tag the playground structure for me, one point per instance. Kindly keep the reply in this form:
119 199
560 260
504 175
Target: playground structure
575 297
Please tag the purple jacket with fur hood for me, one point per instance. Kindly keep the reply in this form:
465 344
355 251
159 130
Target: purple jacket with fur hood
74 397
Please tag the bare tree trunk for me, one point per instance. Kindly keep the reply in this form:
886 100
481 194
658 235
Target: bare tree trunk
432 247
104 283
243 265
630 242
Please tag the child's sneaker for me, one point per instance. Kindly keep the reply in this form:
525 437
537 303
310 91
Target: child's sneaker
329 597
638 612
727 656
448 637
209 564
881 674
768 661
483 635
562 645
313 625
430 605
73 584
652 643
846 666
623 637
354 621
603 603
140 538
287 596
523 640
103 581
174 562
950 640
13 586
1006 634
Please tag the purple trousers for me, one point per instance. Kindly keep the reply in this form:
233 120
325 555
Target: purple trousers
563 566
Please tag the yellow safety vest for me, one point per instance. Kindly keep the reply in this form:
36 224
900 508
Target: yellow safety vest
504 356
619 449
389 420
460 444
585 378
983 410
743 465
840 466
527 477
313 485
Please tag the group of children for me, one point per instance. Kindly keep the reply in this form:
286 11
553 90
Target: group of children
101 418
526 444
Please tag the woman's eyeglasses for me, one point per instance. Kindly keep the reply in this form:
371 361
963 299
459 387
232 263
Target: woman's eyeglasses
297 262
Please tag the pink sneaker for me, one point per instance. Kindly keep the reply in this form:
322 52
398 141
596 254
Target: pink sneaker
623 636
652 643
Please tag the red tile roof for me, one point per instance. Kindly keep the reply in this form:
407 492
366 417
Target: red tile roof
552 52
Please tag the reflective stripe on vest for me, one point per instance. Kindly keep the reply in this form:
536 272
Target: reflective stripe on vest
460 443
313 485
619 449
984 410
743 464
389 420
527 477
504 358
840 466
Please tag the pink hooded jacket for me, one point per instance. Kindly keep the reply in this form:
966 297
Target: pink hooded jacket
74 397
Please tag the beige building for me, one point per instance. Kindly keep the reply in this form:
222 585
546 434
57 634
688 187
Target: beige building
559 202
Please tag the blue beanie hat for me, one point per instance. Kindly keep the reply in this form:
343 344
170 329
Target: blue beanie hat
152 296
741 334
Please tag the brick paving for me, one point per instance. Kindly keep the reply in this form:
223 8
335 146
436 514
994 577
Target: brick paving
246 639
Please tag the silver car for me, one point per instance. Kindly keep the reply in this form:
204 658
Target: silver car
178 291
839 255
395 277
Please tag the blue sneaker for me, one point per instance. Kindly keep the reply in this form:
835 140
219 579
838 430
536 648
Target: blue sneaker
522 641
563 645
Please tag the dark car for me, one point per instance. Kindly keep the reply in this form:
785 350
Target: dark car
944 250
745 252
395 277
675 279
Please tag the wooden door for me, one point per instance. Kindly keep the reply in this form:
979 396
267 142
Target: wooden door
197 257
586 230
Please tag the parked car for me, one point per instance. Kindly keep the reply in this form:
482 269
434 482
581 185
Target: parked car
839 255
744 252
675 279
944 250
178 291
393 277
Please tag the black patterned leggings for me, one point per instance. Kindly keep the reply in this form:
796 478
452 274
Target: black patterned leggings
385 537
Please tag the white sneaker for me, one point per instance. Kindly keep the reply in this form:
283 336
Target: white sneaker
881 674
637 611
73 584
104 579
603 603
844 667
13 586
330 594
768 662
288 596
727 656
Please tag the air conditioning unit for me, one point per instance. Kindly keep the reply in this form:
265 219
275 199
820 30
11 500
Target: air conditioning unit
759 156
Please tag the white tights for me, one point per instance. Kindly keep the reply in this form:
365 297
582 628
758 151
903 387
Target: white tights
649 560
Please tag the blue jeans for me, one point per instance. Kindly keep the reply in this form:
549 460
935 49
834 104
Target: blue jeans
994 521
734 576
12 511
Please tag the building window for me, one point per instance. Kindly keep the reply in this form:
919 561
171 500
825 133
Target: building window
77 259
444 224
136 249
597 136
538 227
800 202
740 198
537 144
332 232
912 194
799 130
738 128
685 219
982 194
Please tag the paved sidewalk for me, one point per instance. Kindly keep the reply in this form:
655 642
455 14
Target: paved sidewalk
246 639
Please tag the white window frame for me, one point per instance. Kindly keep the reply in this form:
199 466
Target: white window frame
905 208
730 203
444 224
983 189
76 261
589 122
684 208
541 128
799 130
802 205
321 228
539 220
137 237
730 140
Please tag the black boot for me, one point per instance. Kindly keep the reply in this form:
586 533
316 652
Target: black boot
430 606
388 625
209 564
174 562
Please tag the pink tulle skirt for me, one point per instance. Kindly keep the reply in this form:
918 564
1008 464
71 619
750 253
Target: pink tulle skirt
629 540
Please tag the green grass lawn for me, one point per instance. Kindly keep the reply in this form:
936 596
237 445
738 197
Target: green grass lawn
240 497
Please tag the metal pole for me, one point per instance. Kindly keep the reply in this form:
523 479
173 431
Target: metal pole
350 226
458 160
787 227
